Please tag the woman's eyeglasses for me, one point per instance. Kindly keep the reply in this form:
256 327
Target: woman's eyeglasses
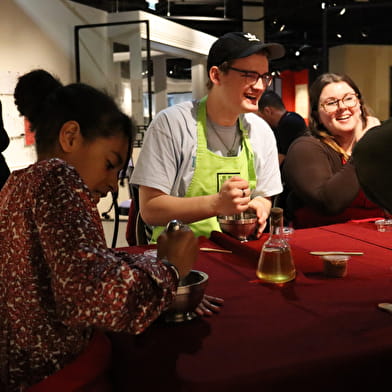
252 77
349 101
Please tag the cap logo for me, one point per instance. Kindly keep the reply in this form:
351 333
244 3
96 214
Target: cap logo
251 37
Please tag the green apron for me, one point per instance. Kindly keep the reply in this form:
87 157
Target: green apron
208 178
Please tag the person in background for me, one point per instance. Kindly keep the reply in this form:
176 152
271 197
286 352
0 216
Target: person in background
212 157
287 126
4 142
373 163
318 169
61 286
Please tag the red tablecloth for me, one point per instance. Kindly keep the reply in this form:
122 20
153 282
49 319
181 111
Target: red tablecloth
313 334
363 231
362 237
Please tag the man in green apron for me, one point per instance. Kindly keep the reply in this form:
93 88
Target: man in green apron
213 157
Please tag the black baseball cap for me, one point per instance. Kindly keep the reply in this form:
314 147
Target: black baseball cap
237 45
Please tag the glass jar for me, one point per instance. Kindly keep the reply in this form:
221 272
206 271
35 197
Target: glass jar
276 263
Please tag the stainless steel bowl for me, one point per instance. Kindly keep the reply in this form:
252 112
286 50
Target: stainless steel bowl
190 292
241 226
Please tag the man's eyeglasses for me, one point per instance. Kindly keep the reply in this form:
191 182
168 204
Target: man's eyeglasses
349 101
252 77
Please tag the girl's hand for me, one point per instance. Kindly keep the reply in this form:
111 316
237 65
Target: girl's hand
180 248
209 305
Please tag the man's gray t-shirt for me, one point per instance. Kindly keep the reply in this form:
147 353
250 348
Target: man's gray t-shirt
166 160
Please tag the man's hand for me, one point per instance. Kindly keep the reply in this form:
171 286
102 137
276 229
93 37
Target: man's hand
262 207
233 197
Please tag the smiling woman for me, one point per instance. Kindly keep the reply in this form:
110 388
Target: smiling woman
318 170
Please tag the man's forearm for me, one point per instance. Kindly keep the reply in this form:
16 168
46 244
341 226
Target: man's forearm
161 209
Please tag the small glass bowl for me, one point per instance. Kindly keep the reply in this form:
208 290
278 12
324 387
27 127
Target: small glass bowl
384 225
287 232
335 266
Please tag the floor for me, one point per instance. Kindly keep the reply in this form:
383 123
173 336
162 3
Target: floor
108 226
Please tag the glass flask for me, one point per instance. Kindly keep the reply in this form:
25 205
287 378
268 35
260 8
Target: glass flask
276 263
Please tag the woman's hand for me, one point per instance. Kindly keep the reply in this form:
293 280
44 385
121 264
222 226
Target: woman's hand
370 123
209 305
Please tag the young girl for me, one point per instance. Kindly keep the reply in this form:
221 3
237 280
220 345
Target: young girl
59 283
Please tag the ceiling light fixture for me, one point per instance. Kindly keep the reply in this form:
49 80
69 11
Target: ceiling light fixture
152 4
201 18
303 47
342 11
339 35
168 8
282 27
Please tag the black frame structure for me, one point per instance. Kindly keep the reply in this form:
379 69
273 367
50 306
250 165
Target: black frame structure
148 49
149 88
